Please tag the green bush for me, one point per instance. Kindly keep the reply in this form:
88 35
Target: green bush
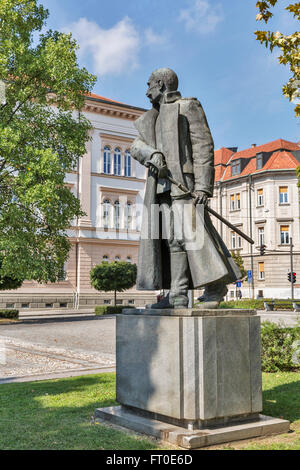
110 309
12 314
278 351
258 304
246 303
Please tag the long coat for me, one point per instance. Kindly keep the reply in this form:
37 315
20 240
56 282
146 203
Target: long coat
189 152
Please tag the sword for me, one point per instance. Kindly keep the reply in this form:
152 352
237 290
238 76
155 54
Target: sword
209 209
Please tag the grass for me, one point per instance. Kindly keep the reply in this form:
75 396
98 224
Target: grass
58 414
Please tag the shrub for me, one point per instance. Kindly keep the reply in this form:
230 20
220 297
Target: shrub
278 347
12 314
110 309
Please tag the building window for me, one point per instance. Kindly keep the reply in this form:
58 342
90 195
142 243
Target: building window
259 161
232 202
117 214
128 259
127 163
117 258
107 161
128 216
261 236
260 197
233 240
261 271
239 241
284 234
283 195
238 201
105 258
235 167
106 213
117 162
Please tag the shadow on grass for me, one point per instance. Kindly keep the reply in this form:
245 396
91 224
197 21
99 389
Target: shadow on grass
283 401
58 414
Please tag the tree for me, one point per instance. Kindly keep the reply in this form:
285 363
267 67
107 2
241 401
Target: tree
117 276
288 44
43 135
239 262
8 283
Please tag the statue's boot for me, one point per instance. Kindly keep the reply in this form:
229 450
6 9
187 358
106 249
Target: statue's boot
177 297
163 303
214 292
179 280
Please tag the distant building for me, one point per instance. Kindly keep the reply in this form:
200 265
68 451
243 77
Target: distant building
256 190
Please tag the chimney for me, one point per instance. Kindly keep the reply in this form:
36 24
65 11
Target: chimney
253 145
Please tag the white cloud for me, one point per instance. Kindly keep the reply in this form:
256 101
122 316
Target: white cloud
202 17
153 39
113 51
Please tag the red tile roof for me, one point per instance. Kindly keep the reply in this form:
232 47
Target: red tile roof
222 156
93 95
269 147
281 159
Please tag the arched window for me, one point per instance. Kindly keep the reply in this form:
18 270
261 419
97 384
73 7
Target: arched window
117 162
106 213
129 259
127 163
117 258
128 216
117 214
105 258
107 161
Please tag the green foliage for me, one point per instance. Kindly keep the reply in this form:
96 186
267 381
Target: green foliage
117 276
109 309
280 304
12 314
288 44
9 282
277 347
239 262
39 142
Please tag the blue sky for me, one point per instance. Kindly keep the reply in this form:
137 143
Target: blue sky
209 43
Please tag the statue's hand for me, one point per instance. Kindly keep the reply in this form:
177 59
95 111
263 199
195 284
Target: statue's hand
202 197
157 165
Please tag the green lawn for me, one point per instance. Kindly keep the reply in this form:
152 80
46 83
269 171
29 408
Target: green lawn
58 414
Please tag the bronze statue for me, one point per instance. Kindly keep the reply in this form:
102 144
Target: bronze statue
176 145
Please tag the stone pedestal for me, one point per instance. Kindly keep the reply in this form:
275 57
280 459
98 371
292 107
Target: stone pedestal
193 370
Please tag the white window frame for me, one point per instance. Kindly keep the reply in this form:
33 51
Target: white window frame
117 161
286 195
260 198
107 160
261 236
128 164
285 235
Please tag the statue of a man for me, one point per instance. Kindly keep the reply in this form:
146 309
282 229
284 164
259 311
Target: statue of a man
174 140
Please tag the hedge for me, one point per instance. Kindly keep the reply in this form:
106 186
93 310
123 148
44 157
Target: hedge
110 309
12 314
280 348
258 304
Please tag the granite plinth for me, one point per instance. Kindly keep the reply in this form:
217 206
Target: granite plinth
193 439
190 365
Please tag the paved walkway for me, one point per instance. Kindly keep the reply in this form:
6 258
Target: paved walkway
52 347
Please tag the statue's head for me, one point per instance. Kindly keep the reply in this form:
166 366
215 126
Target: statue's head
161 81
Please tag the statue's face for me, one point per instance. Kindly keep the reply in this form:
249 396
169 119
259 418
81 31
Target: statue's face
154 92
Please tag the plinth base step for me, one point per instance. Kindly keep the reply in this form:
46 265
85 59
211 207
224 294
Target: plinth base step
263 426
